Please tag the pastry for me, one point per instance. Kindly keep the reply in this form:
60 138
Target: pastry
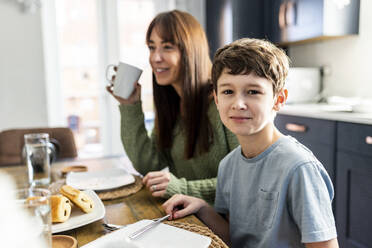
79 198
61 208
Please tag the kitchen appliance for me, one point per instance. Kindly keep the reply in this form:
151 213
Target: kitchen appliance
304 84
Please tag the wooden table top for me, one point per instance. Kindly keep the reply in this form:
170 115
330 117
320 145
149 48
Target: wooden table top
127 210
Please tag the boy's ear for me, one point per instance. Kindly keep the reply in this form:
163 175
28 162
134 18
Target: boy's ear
281 99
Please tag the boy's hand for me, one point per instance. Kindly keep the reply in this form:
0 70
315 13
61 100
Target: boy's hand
157 182
179 206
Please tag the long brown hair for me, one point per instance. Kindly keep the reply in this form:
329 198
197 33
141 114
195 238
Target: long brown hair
183 30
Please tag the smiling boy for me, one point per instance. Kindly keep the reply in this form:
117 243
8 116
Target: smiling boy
271 190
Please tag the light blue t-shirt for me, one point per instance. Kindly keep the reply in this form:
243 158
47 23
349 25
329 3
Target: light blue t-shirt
280 198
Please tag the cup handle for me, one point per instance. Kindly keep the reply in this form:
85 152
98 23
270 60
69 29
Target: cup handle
107 71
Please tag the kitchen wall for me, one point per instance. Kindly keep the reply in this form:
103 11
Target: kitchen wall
22 83
349 59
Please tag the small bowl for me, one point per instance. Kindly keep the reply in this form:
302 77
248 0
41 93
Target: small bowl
63 241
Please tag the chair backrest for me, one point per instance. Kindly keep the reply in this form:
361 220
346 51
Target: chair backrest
12 142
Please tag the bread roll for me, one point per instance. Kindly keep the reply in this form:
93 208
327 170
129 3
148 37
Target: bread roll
79 198
61 208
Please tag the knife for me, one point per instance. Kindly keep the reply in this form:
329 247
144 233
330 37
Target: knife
144 229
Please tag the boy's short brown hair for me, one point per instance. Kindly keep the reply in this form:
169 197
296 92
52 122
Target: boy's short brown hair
252 55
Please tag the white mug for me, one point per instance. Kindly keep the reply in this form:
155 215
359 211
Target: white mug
126 76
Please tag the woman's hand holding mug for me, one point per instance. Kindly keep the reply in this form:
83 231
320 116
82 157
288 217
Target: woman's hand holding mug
124 84
133 98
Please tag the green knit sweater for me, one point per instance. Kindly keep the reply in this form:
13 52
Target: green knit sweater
195 176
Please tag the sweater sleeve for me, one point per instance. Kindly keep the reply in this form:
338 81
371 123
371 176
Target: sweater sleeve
231 140
204 188
140 148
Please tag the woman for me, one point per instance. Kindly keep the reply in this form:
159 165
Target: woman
188 137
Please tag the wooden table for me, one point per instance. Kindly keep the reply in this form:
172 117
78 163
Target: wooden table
127 210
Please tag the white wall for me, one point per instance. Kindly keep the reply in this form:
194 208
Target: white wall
22 83
194 7
349 59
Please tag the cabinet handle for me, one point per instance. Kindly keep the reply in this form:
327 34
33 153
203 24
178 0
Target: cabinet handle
290 13
282 10
369 140
295 127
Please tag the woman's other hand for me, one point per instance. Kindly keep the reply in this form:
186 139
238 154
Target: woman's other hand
157 182
179 206
133 98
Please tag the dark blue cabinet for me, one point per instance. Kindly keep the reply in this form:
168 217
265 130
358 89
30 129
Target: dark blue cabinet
355 138
303 20
296 20
229 20
280 21
354 200
354 185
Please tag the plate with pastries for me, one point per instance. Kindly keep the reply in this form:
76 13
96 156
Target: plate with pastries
73 208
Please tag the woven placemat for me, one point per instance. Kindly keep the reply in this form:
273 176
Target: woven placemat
202 230
122 191
108 194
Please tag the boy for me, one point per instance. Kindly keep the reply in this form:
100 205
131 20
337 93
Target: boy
271 189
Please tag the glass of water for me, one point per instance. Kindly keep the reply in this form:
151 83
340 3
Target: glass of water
38 159
36 203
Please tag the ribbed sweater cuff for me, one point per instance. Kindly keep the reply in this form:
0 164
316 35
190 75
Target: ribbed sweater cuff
131 109
176 186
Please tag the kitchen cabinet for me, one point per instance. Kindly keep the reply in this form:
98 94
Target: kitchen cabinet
281 21
306 20
229 20
354 185
218 23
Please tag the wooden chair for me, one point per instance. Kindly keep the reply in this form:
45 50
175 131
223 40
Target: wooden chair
12 142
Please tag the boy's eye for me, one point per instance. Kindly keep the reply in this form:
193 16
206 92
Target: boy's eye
253 92
227 92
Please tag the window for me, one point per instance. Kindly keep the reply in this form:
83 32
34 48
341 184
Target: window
133 49
77 34
89 35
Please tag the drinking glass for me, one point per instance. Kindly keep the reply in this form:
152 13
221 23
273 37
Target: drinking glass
36 202
38 163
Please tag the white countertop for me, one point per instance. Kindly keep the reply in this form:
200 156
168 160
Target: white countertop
328 112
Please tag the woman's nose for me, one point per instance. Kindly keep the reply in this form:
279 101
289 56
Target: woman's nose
156 56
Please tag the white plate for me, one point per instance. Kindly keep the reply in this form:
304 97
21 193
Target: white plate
100 180
161 236
78 218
